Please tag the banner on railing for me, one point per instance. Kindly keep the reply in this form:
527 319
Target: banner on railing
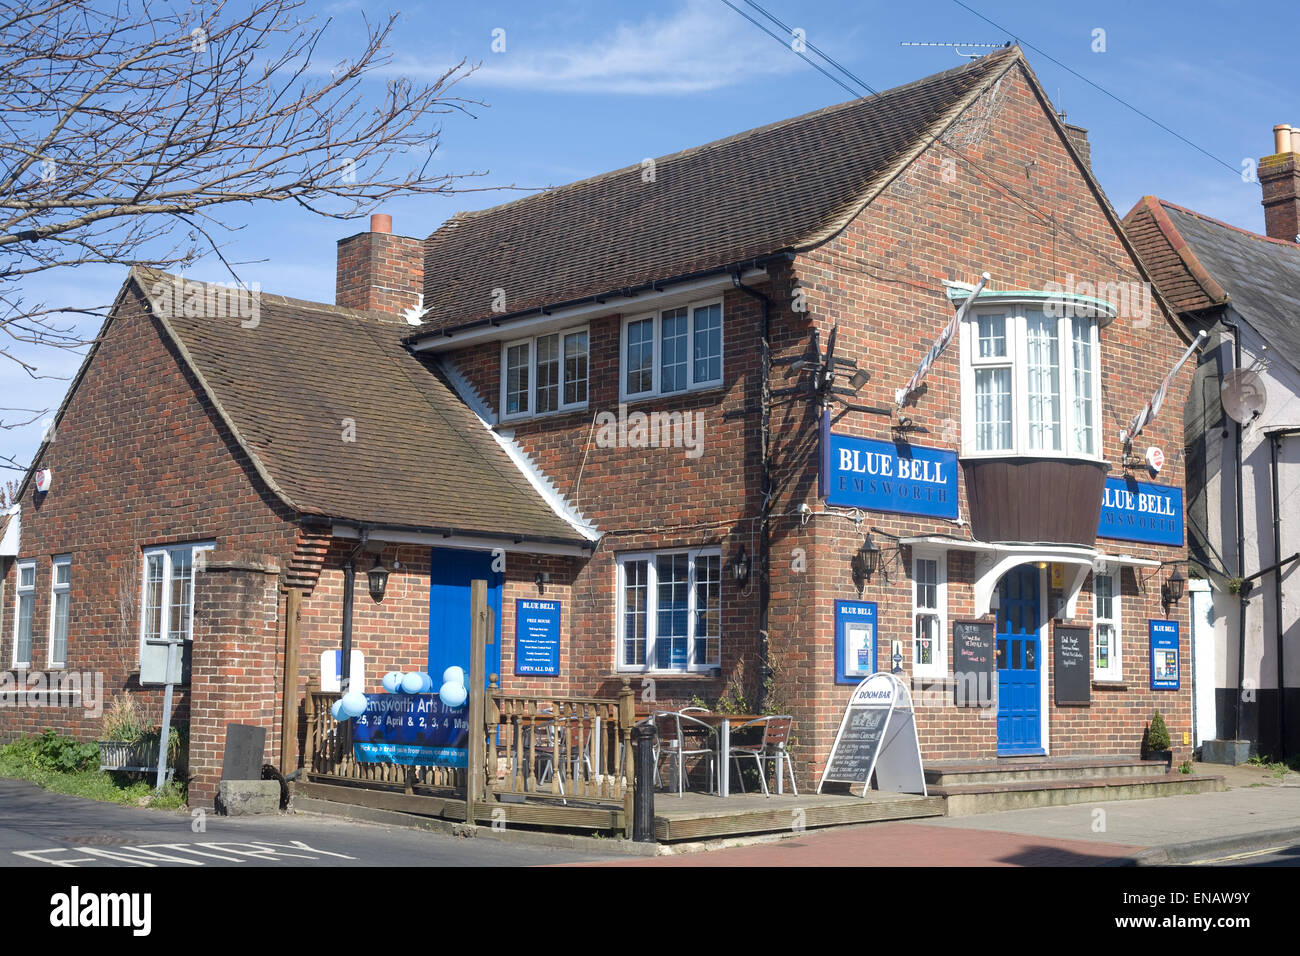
412 730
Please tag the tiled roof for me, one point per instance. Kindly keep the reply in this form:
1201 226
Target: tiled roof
740 199
343 421
1217 263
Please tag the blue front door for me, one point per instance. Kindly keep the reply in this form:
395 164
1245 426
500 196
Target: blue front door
450 573
1019 667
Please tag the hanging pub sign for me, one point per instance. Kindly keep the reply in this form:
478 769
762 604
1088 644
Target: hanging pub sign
1138 511
1164 655
855 640
877 735
888 476
537 637
412 730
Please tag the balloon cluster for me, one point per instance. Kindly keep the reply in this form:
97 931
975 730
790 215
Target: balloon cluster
453 691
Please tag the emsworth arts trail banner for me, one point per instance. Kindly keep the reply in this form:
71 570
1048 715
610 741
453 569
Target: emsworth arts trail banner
411 729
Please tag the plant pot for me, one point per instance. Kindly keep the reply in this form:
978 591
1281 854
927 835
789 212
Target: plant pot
1167 756
128 754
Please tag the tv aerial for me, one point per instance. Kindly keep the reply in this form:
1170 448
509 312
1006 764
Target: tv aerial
956 46
831 379
1243 395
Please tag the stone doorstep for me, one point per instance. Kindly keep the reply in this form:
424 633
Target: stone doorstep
1030 768
1083 783
967 799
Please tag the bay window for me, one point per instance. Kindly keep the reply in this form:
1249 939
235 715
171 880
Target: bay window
669 612
543 374
1030 381
676 350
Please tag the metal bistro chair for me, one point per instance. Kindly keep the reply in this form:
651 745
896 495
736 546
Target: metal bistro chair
776 734
678 736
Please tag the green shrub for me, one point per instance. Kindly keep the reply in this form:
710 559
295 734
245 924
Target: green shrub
61 754
123 721
1157 734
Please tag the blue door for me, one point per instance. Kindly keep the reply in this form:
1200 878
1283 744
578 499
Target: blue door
450 573
1019 664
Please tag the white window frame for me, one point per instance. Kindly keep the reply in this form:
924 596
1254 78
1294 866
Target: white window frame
531 342
652 610
1115 672
692 385
62 561
21 591
166 551
939 667
1018 359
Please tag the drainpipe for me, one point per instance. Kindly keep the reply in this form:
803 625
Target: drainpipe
1276 439
349 580
764 543
1241 553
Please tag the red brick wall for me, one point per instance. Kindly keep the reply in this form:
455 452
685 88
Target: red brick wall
139 459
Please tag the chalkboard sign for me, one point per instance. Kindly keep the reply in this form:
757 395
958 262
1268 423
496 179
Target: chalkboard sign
858 744
1071 665
972 663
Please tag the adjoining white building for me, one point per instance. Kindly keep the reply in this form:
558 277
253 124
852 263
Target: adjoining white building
1243 454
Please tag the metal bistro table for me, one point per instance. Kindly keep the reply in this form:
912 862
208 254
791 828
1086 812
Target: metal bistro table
723 724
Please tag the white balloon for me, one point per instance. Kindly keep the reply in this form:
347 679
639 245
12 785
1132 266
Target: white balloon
353 703
412 683
453 675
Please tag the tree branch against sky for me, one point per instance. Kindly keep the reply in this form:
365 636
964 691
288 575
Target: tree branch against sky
140 133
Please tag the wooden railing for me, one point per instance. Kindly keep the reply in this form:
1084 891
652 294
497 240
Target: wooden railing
561 747
328 755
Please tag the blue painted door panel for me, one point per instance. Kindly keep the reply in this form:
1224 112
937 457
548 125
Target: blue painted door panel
450 572
1019 663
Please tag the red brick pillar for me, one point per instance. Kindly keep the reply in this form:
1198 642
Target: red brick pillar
236 661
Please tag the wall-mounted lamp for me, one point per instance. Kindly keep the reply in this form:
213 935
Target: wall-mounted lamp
1171 592
377 578
740 567
865 562
541 579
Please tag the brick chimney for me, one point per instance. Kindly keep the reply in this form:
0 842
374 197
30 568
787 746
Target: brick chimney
1078 137
1279 176
378 270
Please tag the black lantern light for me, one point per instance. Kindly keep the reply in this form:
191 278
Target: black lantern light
377 577
740 567
1172 590
866 560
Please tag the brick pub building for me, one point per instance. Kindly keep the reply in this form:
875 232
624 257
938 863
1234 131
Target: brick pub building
615 398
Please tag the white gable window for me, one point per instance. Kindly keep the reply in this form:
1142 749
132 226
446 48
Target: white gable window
929 615
669 615
1030 381
60 599
167 592
544 374
24 608
672 351
1106 651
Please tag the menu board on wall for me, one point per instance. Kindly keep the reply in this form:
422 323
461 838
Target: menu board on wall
972 663
537 638
1071 666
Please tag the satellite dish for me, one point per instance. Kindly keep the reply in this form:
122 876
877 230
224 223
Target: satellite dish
1243 395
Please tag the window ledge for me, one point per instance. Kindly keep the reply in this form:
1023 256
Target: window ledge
630 400
1110 684
504 421
662 675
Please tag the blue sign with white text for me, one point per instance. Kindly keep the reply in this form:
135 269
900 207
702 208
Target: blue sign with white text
1137 511
855 641
890 476
412 730
537 637
1164 655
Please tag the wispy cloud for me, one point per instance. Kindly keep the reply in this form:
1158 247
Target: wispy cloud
700 46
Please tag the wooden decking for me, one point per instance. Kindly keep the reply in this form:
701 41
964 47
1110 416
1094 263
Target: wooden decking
702 816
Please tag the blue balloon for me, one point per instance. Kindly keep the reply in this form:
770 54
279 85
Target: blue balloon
336 709
412 683
453 675
426 683
353 704
393 681
453 695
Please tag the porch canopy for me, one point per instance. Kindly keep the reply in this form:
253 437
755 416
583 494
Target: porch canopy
993 560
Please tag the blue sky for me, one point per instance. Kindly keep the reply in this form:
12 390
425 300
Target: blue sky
585 87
